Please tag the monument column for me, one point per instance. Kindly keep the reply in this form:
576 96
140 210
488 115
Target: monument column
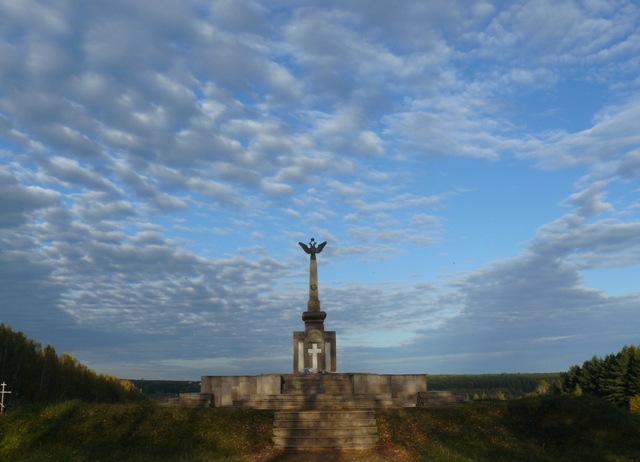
314 302
314 349
313 318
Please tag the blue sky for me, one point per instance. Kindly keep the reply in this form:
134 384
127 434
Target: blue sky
473 166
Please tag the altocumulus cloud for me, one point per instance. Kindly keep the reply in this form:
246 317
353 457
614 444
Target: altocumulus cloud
474 168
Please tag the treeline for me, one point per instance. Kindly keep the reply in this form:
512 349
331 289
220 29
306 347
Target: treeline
616 378
494 385
163 388
35 374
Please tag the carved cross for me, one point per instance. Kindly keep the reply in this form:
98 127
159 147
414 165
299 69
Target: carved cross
314 351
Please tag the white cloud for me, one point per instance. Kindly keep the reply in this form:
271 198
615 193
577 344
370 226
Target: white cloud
590 201
159 166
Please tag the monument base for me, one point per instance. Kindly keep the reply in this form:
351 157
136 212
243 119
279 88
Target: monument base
314 351
274 391
313 411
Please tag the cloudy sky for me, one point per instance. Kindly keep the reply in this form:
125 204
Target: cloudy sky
474 167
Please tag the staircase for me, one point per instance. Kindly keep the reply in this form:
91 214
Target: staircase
354 428
321 411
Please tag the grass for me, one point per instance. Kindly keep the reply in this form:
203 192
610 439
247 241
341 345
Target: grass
76 431
558 429
549 429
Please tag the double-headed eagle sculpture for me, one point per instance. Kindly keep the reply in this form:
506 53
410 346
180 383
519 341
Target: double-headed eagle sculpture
311 249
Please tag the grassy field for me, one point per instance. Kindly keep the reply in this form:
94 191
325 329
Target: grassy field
543 429
76 431
549 429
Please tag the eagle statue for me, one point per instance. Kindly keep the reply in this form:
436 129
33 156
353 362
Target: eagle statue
311 249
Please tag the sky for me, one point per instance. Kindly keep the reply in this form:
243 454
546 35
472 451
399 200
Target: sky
474 167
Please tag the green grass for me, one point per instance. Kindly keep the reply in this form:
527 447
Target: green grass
549 429
76 431
558 429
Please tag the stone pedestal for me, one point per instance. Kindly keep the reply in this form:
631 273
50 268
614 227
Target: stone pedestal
314 350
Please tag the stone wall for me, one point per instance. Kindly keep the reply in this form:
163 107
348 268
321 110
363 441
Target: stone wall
401 386
226 389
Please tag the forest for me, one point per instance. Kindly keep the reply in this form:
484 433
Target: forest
616 378
39 375
491 386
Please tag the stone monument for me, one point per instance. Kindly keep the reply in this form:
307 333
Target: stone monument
331 410
314 349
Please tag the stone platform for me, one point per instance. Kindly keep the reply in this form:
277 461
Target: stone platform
317 410
271 391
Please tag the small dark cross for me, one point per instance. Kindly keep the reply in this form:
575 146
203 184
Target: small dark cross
3 392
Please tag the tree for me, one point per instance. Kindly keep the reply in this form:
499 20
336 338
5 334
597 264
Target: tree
37 374
615 378
633 372
543 387
592 372
612 384
49 374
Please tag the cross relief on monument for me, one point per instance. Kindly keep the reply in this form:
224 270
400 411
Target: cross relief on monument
314 351
313 338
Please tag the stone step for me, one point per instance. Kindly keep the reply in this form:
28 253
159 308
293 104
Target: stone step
324 416
325 432
318 389
341 417
317 384
323 401
356 442
314 424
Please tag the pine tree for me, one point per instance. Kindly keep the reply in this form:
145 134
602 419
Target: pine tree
571 379
590 378
612 386
615 378
633 371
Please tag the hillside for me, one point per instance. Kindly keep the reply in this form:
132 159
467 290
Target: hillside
545 429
